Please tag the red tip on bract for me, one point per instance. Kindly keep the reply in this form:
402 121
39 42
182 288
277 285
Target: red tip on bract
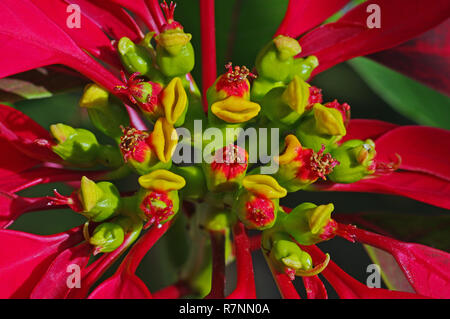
72 201
382 168
135 91
169 12
344 108
231 160
133 144
316 165
315 96
233 82
260 211
157 207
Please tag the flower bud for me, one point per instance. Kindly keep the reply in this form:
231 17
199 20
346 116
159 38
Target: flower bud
105 113
107 237
343 108
287 256
276 59
323 126
197 182
75 146
174 51
99 201
310 224
158 197
225 169
285 105
303 67
257 202
134 57
232 83
149 151
143 94
356 160
299 167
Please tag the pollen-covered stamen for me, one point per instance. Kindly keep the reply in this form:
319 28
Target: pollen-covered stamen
234 81
344 108
130 140
382 168
238 73
72 201
169 13
232 160
157 207
260 211
321 163
315 96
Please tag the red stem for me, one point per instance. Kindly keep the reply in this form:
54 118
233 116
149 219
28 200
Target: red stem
141 248
208 35
93 272
156 12
255 242
218 266
284 284
245 287
176 291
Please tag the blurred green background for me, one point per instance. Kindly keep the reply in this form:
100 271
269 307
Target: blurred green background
242 28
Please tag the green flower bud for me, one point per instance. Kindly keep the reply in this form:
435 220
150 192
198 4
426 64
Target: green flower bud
285 105
257 202
107 237
76 146
174 52
323 126
99 201
197 182
226 168
158 200
287 256
110 156
275 61
310 224
105 112
356 161
144 151
134 57
303 67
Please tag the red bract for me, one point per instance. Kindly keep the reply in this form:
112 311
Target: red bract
425 268
422 176
350 36
428 54
26 257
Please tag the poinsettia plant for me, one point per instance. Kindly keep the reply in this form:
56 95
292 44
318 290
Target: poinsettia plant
144 108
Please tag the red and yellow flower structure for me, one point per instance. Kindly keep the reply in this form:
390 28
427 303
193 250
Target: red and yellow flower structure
142 91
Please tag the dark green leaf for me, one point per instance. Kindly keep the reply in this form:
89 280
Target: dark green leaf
410 98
